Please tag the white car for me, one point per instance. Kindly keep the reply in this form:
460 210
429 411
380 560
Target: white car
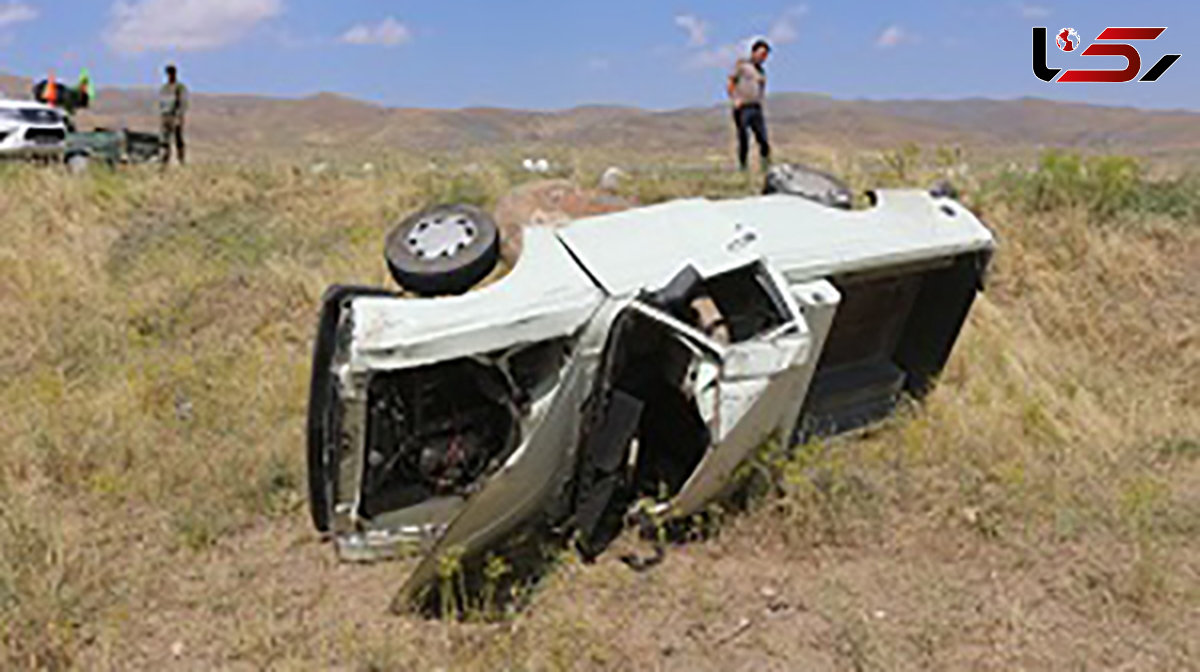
29 128
642 355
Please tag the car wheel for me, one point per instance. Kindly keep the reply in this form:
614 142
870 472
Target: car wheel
809 183
78 164
445 249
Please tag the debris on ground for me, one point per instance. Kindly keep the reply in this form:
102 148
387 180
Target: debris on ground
548 203
541 166
611 179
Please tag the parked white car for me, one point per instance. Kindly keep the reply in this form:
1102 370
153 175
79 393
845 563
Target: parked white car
641 355
29 128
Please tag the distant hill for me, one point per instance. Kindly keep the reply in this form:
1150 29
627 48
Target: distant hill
329 124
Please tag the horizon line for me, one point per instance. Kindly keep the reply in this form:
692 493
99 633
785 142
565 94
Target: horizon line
653 110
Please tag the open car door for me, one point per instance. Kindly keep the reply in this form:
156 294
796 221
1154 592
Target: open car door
695 377
768 359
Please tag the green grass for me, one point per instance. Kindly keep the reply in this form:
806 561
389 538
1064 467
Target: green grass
1108 188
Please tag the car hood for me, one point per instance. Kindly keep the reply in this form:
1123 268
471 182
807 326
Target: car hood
546 296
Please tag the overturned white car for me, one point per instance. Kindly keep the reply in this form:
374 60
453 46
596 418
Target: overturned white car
639 355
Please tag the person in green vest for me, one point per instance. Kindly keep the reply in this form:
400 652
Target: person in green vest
172 109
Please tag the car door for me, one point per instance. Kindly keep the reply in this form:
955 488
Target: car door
744 391
752 395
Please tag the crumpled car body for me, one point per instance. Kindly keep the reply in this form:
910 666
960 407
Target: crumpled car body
630 357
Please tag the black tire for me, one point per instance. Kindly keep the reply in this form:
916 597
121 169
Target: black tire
324 425
809 183
446 249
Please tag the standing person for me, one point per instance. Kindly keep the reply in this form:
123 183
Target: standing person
172 108
747 88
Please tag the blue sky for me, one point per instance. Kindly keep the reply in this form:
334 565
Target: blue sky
555 53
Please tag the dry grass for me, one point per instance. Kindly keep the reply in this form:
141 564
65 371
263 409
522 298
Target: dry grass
1042 510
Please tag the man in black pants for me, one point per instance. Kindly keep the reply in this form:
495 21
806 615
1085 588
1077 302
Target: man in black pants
747 87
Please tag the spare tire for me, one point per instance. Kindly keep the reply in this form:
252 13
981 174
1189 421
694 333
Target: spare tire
809 183
446 249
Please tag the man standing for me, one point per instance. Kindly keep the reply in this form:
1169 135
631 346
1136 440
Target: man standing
747 87
172 107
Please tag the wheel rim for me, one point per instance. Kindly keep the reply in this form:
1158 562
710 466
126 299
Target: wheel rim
441 235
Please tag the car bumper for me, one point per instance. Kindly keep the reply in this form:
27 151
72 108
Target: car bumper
32 141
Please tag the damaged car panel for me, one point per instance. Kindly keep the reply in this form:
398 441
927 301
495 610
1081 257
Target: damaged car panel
631 356
431 395
783 389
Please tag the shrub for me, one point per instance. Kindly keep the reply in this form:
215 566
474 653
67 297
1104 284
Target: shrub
1108 188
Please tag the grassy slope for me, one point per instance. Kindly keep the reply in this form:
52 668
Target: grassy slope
1041 510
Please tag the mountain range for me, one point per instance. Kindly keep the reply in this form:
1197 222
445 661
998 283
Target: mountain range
329 124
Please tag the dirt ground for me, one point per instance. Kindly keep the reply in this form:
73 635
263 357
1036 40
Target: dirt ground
274 597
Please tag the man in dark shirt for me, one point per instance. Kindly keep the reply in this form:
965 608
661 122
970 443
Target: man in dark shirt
747 88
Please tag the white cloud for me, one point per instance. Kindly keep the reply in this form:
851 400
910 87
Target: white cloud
184 25
1033 11
894 36
16 12
782 30
599 64
696 28
386 33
